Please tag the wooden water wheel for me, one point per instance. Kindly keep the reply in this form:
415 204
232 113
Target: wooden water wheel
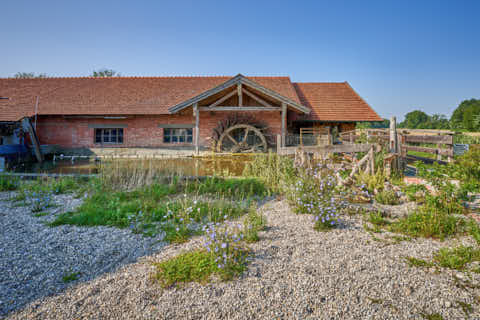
242 138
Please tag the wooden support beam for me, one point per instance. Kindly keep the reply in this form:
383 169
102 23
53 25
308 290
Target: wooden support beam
256 98
196 113
27 125
284 123
234 108
222 99
240 96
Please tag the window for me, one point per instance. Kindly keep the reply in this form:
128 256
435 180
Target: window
109 136
177 135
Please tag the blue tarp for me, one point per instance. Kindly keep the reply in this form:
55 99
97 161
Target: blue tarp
12 149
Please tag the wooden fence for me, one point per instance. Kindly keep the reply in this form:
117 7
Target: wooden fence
405 140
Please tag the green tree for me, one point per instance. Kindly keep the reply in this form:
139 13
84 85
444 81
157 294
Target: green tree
29 75
414 120
103 73
465 114
374 125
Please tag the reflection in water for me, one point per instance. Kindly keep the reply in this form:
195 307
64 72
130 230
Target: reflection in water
220 165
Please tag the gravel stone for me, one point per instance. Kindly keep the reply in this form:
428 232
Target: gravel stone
34 257
295 273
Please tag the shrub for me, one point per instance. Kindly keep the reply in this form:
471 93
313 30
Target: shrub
387 197
314 193
371 182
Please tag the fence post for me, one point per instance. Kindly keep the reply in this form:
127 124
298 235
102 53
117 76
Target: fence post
279 143
393 135
439 156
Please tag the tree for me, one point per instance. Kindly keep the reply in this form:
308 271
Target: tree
29 75
103 73
464 115
414 120
374 125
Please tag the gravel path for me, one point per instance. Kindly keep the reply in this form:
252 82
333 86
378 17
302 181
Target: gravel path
296 273
34 258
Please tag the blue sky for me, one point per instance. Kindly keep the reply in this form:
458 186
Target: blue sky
398 55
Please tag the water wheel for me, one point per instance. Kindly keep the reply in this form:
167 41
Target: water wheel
242 138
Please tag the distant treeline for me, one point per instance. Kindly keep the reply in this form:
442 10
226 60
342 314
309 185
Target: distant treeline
466 117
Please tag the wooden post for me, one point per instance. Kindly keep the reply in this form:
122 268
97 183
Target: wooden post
279 144
329 136
393 135
284 120
27 125
372 161
239 92
351 137
196 113
439 156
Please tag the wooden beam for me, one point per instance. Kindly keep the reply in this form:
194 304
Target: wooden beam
222 99
196 113
446 139
234 108
257 98
240 96
284 121
27 125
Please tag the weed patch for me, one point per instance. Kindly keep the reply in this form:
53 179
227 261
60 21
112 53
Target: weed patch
457 258
428 224
72 276
253 223
414 262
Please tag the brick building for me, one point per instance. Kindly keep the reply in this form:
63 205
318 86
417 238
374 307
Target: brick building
169 111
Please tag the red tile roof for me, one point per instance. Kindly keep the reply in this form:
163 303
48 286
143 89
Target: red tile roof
334 102
154 95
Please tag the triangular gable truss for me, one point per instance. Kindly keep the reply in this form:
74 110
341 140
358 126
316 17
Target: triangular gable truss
241 82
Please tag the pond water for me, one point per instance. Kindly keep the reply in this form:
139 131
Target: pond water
224 165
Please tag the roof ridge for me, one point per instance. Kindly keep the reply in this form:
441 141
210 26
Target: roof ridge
328 82
142 77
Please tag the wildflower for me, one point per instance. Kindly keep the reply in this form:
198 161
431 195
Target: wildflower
224 245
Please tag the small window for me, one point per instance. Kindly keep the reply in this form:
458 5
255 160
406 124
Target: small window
177 135
109 136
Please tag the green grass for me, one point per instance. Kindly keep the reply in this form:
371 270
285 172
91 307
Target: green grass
414 262
193 266
9 183
422 154
253 223
229 187
456 258
41 214
72 276
428 224
164 207
432 316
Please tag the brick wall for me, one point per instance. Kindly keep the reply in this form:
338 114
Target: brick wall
141 131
